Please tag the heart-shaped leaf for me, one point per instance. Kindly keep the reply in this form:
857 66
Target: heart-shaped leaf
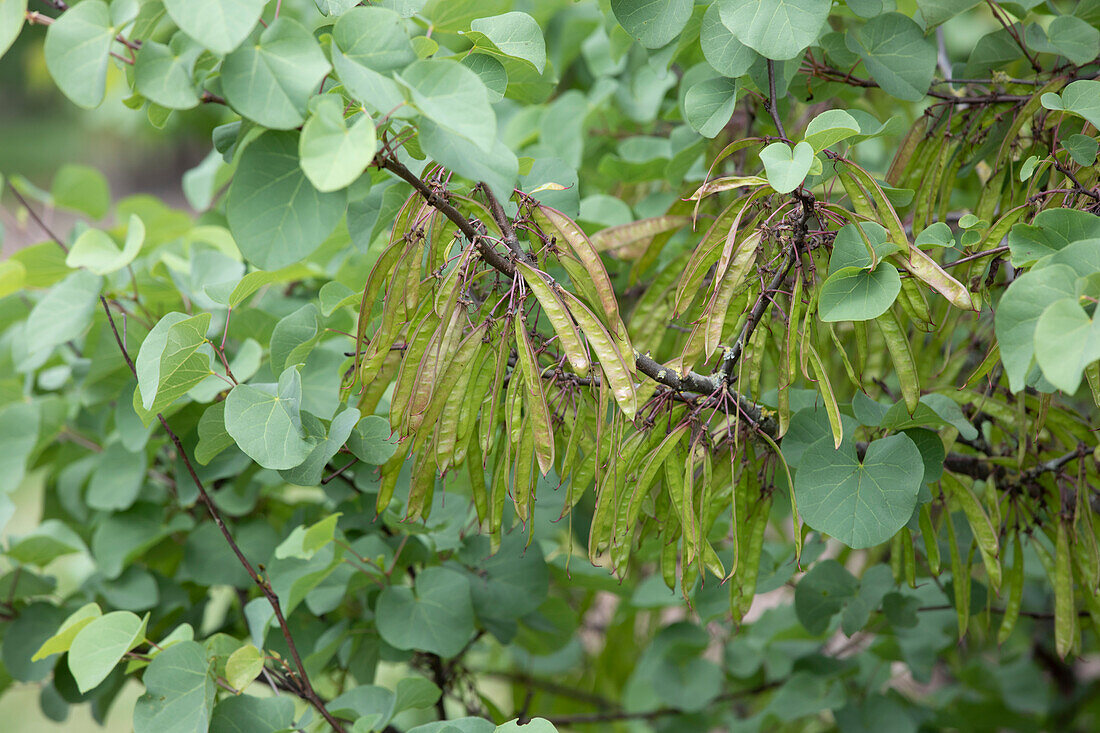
856 294
787 168
332 153
829 128
860 504
1066 341
435 617
709 105
179 691
95 250
266 423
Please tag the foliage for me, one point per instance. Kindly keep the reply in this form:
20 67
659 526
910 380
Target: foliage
748 297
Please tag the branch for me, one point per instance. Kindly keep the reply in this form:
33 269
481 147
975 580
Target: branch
773 104
505 224
760 307
484 246
689 382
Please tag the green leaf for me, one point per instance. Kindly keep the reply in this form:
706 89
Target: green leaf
271 81
1066 341
100 645
415 693
220 25
850 247
370 441
213 437
935 12
710 104
860 504
265 421
46 542
785 168
498 168
83 189
822 593
311 471
896 54
936 235
654 23
454 99
94 250
332 154
276 215
169 362
13 277
304 542
1081 148
243 666
179 693
513 34
776 29
64 313
829 128
1049 232
1016 317
371 702
12 13
491 72
727 55
248 714
78 48
509 584
19 426
70 627
375 38
162 73
117 480
1073 38
437 617
33 625
1082 98
856 294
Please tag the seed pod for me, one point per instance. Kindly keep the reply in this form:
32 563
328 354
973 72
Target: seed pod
522 493
491 416
679 478
960 578
984 532
1065 610
377 278
825 387
1014 584
390 471
416 346
450 391
612 362
421 487
448 289
904 365
478 490
905 152
669 556
743 259
743 585
617 238
912 301
578 241
909 557
475 395
537 410
931 542
501 473
558 316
